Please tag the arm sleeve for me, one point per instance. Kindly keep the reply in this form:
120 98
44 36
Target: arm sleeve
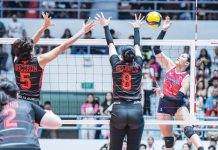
139 61
108 36
136 36
114 59
39 113
160 37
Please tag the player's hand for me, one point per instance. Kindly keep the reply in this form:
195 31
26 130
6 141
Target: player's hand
101 19
138 21
47 20
157 90
167 23
88 26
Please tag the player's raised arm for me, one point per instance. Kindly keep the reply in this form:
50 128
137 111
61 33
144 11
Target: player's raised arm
162 58
136 25
47 57
105 24
47 23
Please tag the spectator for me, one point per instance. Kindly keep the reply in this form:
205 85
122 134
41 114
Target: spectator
104 110
213 97
186 49
211 147
147 86
214 108
205 58
156 67
201 97
214 85
213 133
3 59
2 29
185 147
107 102
113 34
89 108
15 28
45 49
215 59
143 147
150 142
88 35
47 34
51 134
214 74
67 34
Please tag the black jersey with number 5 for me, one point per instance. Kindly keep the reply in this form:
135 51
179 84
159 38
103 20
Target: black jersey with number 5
28 78
126 78
17 129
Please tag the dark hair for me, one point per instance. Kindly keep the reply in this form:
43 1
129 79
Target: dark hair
7 90
47 103
143 145
213 147
206 55
199 83
105 100
22 48
66 30
112 31
128 53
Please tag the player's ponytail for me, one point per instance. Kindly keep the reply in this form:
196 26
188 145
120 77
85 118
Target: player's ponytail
7 90
22 48
128 53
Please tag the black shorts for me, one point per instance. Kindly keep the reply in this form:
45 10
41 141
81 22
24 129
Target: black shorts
169 107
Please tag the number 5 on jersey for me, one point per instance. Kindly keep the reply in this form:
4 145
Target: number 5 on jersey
25 81
126 82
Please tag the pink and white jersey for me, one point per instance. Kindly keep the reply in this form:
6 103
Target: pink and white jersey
173 82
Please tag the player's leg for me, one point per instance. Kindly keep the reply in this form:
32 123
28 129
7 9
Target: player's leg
134 138
183 114
116 138
118 126
166 130
135 126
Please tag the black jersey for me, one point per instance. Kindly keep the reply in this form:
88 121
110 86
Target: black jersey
17 120
28 78
126 78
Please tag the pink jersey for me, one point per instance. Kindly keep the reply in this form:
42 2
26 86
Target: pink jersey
173 82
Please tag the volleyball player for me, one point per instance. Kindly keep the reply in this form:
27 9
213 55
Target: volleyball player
29 69
175 86
127 116
17 119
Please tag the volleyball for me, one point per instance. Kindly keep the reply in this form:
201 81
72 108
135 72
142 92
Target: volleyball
153 19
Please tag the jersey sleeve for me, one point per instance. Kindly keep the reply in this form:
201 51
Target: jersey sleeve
114 59
39 113
139 61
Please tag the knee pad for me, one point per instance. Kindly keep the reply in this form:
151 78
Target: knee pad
169 141
201 148
189 131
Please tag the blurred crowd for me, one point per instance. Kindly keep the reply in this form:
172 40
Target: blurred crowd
178 9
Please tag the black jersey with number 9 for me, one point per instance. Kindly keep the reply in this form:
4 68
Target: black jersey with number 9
126 78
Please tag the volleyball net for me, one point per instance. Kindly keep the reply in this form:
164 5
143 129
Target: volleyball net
84 68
